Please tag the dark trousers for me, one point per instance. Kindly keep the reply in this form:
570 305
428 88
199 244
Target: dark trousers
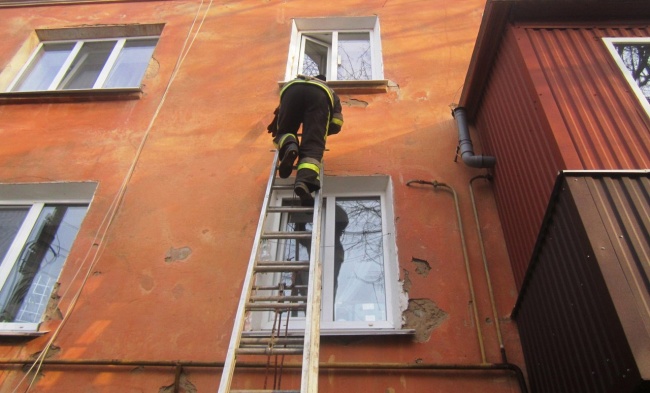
307 105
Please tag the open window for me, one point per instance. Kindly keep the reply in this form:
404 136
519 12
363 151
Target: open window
341 48
361 293
38 225
632 55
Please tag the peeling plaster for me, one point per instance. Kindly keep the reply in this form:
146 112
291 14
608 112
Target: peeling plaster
185 386
423 316
355 103
422 267
406 283
177 254
52 311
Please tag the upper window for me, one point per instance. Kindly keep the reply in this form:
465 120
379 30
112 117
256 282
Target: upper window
360 292
633 57
38 224
342 48
86 64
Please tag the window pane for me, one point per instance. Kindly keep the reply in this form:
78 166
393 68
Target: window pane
354 61
131 63
27 290
315 58
636 58
296 250
359 284
87 65
11 218
46 64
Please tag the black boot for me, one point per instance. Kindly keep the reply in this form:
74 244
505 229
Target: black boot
302 191
289 155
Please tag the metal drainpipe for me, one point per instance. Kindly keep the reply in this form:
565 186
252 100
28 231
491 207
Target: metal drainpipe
465 143
519 375
468 272
435 184
495 314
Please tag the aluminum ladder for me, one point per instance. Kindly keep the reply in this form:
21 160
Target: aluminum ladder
267 344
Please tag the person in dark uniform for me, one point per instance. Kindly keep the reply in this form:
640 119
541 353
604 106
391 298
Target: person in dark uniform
308 101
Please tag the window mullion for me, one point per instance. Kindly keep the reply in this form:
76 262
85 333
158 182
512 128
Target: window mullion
327 263
389 281
334 61
64 68
19 242
301 55
110 62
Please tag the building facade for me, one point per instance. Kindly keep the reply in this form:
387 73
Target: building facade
558 92
135 154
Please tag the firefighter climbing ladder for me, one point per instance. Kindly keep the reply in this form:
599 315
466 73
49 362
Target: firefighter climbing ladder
278 343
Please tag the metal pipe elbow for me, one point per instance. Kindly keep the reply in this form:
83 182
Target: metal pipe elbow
465 143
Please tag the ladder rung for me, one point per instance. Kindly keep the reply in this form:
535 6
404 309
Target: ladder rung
287 235
282 263
290 209
278 298
281 266
269 351
265 391
251 341
279 288
275 306
283 186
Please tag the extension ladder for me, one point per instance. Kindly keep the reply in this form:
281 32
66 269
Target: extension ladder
276 343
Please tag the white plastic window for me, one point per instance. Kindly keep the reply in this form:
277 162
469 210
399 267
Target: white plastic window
86 64
360 290
35 238
342 49
632 55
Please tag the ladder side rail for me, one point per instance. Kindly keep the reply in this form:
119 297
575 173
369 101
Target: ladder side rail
240 318
309 379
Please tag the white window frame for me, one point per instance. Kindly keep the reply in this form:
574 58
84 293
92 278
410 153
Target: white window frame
609 43
356 187
302 27
103 75
35 196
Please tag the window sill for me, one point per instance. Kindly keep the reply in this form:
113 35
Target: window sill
86 95
340 332
20 329
356 87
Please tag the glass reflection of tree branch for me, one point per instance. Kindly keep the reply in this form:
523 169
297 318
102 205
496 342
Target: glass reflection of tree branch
636 58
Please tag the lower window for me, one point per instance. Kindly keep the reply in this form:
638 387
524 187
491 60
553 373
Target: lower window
360 274
35 239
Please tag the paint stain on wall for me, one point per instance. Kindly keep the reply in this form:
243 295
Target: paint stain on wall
423 315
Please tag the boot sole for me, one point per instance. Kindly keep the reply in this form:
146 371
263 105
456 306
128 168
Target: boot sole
286 165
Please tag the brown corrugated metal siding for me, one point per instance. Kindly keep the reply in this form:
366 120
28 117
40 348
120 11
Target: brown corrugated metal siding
583 310
555 100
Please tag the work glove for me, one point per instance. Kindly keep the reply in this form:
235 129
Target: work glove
272 128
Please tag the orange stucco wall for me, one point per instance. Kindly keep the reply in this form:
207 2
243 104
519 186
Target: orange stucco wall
196 140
